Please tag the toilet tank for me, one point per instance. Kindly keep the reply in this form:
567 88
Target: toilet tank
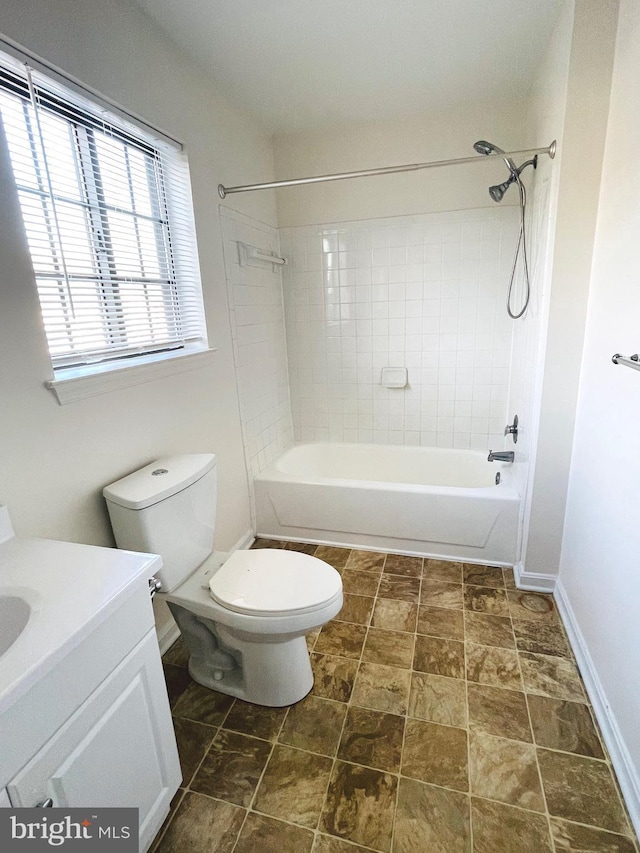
167 508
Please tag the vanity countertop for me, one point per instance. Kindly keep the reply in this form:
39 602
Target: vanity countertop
71 589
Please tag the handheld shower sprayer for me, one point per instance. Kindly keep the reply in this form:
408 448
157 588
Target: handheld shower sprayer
497 194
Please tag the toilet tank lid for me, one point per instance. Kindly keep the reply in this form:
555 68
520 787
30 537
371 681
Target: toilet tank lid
159 480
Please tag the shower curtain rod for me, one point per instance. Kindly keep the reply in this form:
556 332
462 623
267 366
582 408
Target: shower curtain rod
388 170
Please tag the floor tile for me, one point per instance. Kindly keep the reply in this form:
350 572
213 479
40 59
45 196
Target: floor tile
391 648
372 738
399 587
293 786
333 677
382 688
301 548
567 726
486 599
441 622
541 638
202 824
504 770
359 806
268 543
509 579
439 656
498 828
266 835
178 654
177 680
532 606
431 820
437 593
438 699
255 720
499 712
397 564
582 790
314 724
487 630
493 666
366 561
435 754
429 692
395 615
356 609
176 800
336 557
232 768
193 739
359 583
329 844
311 638
203 705
341 638
551 676
571 838
443 570
483 575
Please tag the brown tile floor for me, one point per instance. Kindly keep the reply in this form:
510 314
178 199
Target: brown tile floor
447 716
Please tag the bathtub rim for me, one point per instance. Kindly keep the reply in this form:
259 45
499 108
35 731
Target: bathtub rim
506 488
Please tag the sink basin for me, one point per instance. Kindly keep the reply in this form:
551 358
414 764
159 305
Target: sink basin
14 616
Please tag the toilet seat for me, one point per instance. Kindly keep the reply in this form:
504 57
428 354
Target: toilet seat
274 582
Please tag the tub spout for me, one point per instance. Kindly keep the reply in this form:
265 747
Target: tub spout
500 456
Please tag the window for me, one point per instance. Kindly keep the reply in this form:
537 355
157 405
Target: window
108 218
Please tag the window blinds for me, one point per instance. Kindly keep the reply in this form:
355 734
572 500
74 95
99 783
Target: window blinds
108 217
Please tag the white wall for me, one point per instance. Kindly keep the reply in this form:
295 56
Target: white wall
548 105
601 546
388 143
54 460
578 173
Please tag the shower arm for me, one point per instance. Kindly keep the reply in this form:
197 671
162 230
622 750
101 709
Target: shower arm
388 170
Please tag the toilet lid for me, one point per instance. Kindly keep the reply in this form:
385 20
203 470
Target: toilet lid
271 582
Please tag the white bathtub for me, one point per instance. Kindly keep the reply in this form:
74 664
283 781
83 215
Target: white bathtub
416 500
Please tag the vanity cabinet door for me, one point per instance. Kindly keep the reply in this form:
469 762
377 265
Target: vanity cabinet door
118 749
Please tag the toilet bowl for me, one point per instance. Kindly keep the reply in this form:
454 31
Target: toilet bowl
244 618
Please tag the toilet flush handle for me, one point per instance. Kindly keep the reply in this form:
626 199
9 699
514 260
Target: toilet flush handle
155 585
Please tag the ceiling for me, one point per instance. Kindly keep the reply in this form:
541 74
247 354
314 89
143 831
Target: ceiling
299 64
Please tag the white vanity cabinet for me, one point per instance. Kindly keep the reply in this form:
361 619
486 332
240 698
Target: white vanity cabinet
88 725
115 750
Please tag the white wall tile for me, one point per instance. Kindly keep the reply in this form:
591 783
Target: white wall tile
425 292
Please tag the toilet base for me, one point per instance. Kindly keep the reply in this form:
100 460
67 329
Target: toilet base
276 671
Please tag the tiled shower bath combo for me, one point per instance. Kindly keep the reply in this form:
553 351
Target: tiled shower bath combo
447 716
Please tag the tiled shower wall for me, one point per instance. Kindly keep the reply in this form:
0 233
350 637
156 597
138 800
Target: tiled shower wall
259 342
423 292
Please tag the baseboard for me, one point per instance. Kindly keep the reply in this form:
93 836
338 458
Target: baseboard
533 581
168 636
245 541
627 773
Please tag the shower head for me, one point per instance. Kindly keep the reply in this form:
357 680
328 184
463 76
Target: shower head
484 147
497 192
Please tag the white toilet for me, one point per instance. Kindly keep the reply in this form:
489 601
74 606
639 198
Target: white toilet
244 619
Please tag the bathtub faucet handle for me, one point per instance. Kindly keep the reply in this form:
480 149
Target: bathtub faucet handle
501 456
512 429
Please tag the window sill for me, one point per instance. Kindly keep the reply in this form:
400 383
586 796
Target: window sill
79 383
